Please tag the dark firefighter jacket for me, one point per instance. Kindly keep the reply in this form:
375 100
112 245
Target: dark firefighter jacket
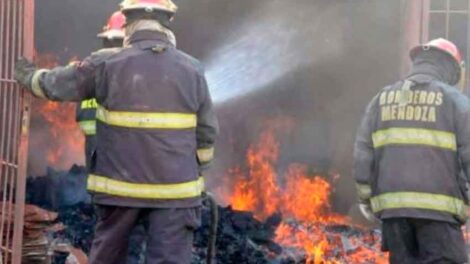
155 121
412 150
86 118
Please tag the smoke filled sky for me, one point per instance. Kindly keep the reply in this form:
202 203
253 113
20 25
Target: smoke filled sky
316 62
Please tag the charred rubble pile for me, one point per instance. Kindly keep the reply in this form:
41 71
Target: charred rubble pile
58 189
244 239
64 194
241 238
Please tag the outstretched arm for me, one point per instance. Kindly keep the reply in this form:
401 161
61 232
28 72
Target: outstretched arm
74 82
59 84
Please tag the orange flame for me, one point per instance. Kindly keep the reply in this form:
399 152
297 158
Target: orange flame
259 192
301 190
65 141
303 200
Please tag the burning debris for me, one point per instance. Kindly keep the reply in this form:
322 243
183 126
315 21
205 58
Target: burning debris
272 219
244 239
309 231
329 243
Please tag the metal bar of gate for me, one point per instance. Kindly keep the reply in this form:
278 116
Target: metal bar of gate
3 26
16 39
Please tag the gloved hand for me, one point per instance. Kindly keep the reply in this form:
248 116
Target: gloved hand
367 212
24 71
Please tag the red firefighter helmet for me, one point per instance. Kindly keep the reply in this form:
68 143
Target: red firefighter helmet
442 45
149 5
114 29
450 49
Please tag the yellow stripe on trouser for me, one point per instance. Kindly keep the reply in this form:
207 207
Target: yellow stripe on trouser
414 136
205 154
147 120
88 127
109 186
436 202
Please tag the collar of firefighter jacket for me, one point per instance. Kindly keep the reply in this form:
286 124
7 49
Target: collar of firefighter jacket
422 78
150 37
436 67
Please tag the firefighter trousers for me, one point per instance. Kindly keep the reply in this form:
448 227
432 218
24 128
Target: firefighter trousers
422 241
169 234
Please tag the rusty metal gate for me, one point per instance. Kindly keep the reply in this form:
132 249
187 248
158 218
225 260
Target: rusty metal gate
16 39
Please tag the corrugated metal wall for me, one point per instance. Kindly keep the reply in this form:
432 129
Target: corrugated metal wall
16 39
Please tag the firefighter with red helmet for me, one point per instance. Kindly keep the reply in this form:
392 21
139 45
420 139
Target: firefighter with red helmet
113 32
412 159
155 133
112 37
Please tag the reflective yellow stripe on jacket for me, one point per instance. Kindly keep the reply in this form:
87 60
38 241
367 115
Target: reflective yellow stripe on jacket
88 127
89 104
436 202
364 191
415 136
184 190
147 120
36 88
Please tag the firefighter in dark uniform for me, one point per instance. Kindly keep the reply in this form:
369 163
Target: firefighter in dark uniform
155 129
412 159
112 37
